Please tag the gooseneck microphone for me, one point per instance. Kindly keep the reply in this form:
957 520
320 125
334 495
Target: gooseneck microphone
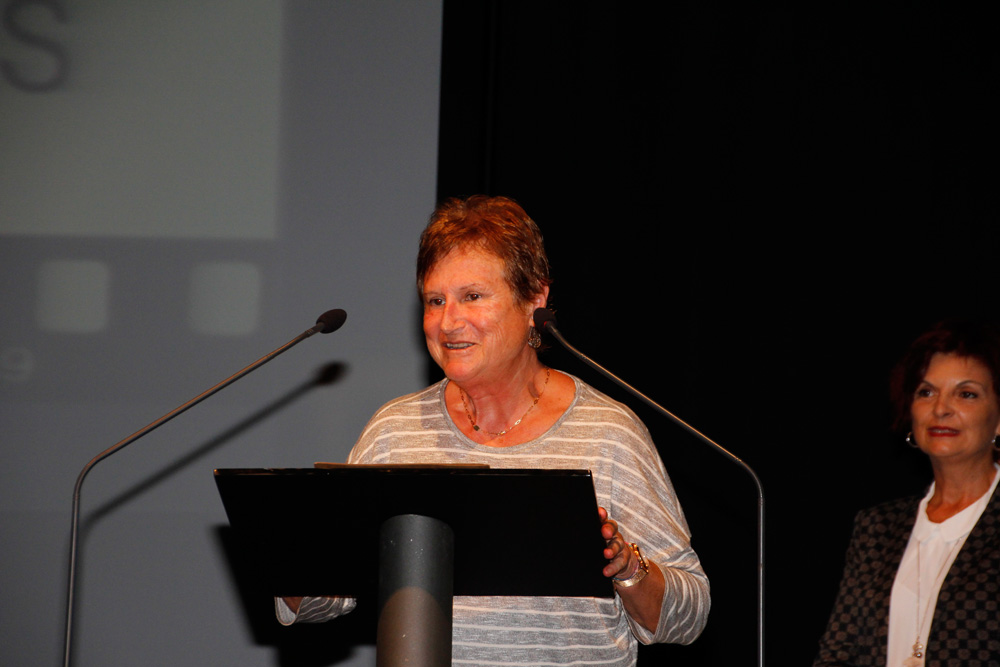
328 322
545 320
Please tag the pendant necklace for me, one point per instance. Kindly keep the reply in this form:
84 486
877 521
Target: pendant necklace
475 426
916 659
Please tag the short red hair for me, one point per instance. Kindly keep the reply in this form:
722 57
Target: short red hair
497 225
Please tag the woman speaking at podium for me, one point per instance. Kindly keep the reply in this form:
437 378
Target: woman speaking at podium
481 273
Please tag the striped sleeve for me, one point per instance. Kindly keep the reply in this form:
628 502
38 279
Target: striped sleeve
642 500
313 610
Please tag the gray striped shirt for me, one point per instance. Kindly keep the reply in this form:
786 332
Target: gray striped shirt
594 433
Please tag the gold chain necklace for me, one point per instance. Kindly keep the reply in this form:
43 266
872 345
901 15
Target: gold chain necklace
475 427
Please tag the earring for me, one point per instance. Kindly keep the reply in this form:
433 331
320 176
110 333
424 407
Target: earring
912 443
534 338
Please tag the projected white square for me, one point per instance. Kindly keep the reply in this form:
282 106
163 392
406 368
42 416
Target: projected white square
225 298
73 296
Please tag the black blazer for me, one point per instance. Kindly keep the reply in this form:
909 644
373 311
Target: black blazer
965 629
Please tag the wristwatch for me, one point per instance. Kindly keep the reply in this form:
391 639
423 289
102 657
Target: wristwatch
641 571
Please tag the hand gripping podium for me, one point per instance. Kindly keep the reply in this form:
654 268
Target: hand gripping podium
427 533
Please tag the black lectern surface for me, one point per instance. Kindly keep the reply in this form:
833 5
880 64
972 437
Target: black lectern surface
302 527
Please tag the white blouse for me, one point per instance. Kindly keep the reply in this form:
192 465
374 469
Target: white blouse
928 557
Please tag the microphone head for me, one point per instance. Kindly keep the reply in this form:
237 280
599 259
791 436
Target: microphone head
332 320
543 318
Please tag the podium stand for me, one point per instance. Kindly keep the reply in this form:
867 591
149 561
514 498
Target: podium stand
433 531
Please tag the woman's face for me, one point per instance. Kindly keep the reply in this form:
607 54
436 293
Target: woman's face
475 328
955 410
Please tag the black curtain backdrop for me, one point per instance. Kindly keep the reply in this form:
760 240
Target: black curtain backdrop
750 212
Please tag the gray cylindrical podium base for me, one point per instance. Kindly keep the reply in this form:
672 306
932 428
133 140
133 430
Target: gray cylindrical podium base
416 566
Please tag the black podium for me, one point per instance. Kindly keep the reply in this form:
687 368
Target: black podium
433 531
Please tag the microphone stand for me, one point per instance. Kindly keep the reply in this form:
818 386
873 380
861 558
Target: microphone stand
546 321
328 322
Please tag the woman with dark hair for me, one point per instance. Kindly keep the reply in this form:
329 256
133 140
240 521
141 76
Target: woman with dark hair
481 273
921 583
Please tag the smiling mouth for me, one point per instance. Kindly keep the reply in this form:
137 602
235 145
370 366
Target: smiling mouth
941 431
456 346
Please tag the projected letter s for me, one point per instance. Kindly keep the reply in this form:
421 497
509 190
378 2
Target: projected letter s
52 48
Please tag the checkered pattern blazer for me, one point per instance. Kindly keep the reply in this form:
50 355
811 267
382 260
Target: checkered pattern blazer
966 626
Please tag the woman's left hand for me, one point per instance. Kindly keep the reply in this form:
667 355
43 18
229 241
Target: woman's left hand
617 550
643 600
